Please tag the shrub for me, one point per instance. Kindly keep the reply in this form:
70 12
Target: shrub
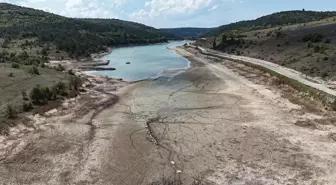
333 105
11 74
24 95
59 88
328 40
46 93
15 65
53 92
70 72
309 44
37 96
27 106
74 82
317 49
269 33
10 112
313 37
324 75
33 70
60 67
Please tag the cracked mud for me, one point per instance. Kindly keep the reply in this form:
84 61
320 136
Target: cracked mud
205 126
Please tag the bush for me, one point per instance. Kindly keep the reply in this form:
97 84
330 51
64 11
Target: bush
269 33
11 74
70 72
309 44
24 95
53 92
10 112
33 70
313 37
74 82
333 105
15 65
59 88
27 106
324 75
37 96
317 49
327 40
46 93
60 68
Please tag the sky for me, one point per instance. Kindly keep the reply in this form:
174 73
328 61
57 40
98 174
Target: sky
174 13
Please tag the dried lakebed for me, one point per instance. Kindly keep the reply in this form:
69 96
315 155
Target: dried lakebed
207 125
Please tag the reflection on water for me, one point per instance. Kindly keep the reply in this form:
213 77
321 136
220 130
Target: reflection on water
142 62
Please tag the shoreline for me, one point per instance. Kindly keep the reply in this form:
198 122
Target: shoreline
109 90
163 73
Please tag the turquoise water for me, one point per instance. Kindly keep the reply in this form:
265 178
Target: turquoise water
150 61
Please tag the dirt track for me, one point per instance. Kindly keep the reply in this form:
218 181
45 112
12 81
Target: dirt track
211 127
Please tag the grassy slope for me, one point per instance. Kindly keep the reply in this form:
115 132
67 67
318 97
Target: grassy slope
276 19
288 49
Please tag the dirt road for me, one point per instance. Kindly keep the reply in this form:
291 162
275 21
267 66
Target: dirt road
290 73
205 126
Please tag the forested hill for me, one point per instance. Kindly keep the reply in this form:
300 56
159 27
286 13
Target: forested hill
187 32
76 37
276 19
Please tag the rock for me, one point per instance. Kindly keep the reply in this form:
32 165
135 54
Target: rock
51 113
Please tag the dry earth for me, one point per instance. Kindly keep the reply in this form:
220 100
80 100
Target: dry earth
208 125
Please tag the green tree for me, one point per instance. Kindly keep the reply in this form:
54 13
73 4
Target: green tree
214 44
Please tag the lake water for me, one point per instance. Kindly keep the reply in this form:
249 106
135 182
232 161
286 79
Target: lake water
150 61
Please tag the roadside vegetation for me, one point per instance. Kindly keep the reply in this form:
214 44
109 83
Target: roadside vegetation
308 47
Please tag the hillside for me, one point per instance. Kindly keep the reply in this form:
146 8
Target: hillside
307 47
35 31
276 19
187 32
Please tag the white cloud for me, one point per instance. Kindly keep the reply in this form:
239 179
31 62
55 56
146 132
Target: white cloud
155 8
77 8
71 3
214 7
